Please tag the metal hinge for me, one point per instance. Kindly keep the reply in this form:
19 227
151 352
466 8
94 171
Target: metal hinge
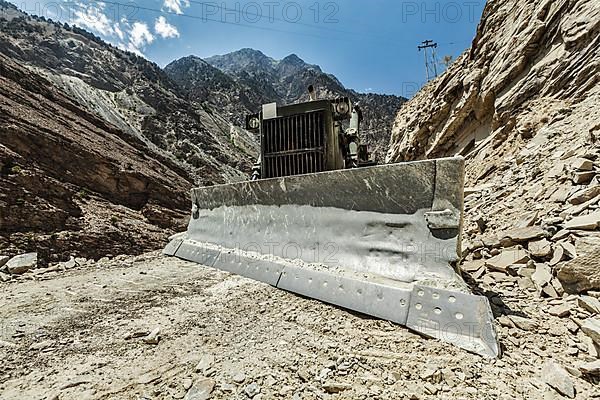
446 219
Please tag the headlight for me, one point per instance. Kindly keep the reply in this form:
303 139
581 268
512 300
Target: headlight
342 108
254 123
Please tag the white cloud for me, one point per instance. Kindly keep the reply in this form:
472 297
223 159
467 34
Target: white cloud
126 35
176 5
94 19
164 29
140 35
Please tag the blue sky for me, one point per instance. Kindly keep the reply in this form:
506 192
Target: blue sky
369 45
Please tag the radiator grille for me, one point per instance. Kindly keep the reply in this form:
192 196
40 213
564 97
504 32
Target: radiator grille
293 145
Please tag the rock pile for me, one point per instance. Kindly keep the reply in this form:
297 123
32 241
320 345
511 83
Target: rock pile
522 105
544 234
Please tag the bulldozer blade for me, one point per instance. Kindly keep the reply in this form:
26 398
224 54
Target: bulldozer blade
379 240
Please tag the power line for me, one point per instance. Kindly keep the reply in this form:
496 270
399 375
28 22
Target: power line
380 40
205 19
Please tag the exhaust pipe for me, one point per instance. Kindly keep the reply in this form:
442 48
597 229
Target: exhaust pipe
312 93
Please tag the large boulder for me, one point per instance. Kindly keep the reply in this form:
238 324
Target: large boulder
582 273
21 264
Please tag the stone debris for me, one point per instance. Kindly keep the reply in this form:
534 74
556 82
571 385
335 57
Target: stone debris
431 389
569 249
540 248
45 344
522 323
582 273
4 343
153 337
239 378
590 368
22 263
187 384
589 303
70 264
583 178
3 260
542 276
561 311
252 389
336 387
137 334
581 164
205 363
201 389
507 258
586 222
588 345
525 234
585 195
559 379
591 327
557 255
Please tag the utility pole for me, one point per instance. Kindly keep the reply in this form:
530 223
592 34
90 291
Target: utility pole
430 64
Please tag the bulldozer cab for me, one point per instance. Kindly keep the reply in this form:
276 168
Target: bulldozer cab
307 138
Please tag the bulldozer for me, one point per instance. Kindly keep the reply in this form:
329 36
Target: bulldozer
319 219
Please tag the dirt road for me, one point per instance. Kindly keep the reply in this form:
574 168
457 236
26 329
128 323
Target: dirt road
81 334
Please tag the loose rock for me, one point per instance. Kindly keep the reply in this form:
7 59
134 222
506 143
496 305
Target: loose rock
336 387
525 324
508 257
252 389
586 222
21 264
201 389
542 276
585 195
4 277
205 363
590 368
591 327
153 337
540 248
582 273
239 377
582 164
557 378
560 311
524 234
589 303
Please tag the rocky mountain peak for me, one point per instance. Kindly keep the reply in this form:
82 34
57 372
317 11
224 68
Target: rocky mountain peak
242 60
292 65
293 59
256 79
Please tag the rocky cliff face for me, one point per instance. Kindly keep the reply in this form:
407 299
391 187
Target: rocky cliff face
98 147
528 62
240 82
523 105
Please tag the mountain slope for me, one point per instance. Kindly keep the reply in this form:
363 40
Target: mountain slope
249 79
98 148
129 92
